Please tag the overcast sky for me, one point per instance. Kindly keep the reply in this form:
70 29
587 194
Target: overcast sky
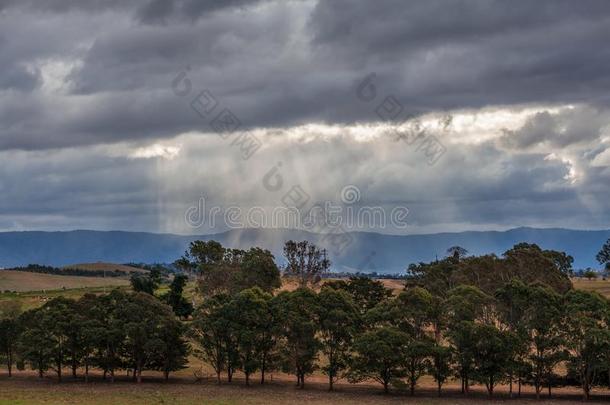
109 110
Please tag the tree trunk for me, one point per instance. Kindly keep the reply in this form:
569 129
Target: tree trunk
490 387
263 371
86 371
247 379
438 383
9 363
385 387
330 381
229 374
218 377
59 371
139 373
585 386
166 375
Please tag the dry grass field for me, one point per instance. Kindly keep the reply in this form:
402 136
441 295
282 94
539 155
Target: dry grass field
598 285
28 390
32 290
394 285
21 281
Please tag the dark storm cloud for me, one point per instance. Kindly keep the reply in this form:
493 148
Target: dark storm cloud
287 63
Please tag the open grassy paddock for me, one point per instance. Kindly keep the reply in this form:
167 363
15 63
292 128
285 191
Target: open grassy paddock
26 389
21 281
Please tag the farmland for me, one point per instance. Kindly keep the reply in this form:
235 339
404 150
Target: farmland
184 390
20 281
32 290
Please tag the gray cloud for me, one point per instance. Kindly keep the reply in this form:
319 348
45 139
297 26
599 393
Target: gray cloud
282 64
157 11
81 79
577 125
104 186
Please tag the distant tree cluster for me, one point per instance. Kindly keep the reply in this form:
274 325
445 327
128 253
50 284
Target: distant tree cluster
67 271
221 270
481 320
373 275
162 268
526 262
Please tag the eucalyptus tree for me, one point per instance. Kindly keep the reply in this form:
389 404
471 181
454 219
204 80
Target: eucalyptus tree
221 270
512 305
306 262
466 307
492 354
10 328
586 335
338 320
298 311
254 328
543 323
208 333
380 355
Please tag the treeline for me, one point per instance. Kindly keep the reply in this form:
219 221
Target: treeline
358 331
454 319
485 320
162 268
37 268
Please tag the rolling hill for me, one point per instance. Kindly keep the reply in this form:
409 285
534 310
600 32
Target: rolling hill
366 251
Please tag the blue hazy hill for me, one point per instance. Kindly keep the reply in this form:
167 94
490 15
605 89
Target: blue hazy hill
367 251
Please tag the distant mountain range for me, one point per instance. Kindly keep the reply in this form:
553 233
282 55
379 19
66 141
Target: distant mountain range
366 251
